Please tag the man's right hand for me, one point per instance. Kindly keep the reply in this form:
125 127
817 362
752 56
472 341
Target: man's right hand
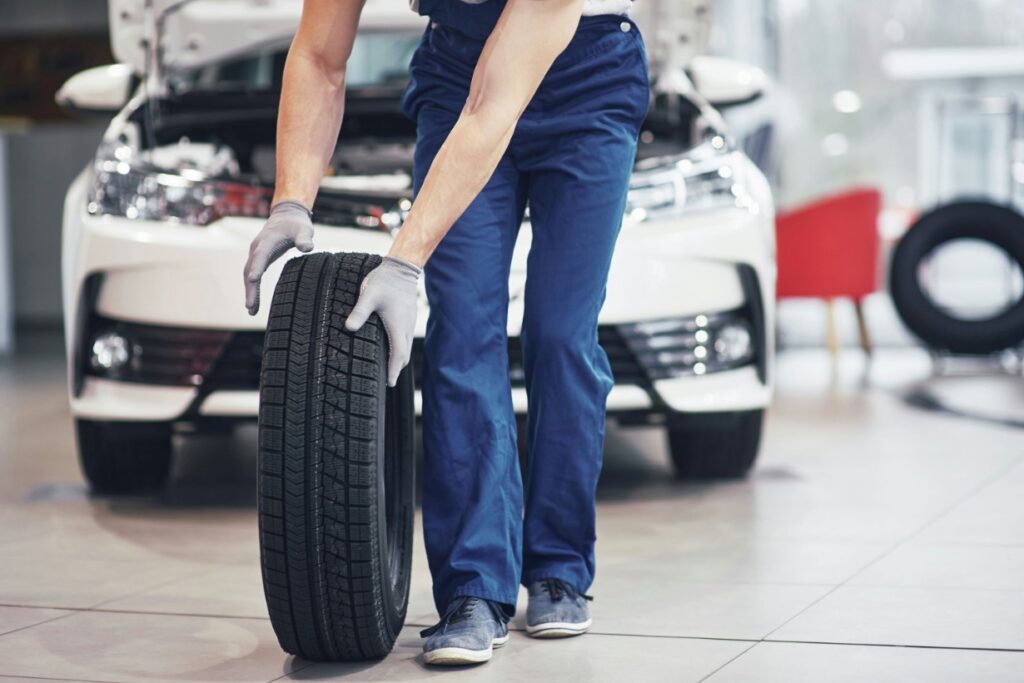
290 225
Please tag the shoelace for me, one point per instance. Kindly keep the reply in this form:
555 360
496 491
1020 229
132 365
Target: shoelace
557 588
461 609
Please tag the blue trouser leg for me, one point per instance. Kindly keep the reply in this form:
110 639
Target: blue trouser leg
577 150
472 492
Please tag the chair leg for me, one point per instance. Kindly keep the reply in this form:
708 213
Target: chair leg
862 327
831 334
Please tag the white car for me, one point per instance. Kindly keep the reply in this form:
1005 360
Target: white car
156 231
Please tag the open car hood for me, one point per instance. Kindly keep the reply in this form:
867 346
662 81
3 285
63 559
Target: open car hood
162 35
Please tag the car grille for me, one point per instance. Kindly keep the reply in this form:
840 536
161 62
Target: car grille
638 353
223 360
158 354
238 366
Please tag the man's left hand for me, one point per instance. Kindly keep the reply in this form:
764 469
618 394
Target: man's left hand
390 291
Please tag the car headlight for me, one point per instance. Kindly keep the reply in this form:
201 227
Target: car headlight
121 186
709 176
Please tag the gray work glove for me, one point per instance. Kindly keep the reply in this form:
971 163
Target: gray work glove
390 290
290 225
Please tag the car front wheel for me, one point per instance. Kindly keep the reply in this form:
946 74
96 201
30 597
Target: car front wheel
714 445
122 458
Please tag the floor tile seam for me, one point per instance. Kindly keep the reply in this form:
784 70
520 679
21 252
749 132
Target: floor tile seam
988 481
154 587
127 562
909 646
195 615
307 665
730 661
38 623
109 610
712 582
975 589
50 678
984 484
869 645
969 544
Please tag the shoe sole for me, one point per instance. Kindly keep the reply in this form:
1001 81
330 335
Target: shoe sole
456 656
558 629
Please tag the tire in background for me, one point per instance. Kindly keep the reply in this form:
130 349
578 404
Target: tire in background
124 458
1000 226
714 445
336 469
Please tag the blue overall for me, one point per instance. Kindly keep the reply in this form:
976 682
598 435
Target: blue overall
569 160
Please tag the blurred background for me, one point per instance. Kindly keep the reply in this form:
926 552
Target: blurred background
917 98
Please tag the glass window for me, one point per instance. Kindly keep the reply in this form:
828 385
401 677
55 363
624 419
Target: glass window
377 59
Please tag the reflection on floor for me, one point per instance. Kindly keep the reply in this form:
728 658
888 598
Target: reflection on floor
874 542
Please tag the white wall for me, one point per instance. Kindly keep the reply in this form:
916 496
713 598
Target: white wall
828 47
6 298
815 49
41 163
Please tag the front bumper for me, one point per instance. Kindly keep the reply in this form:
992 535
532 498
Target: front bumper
186 281
175 373
103 399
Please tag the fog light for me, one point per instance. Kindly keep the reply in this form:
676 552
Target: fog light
733 343
109 351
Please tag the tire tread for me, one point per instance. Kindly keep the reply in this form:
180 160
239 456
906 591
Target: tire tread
321 390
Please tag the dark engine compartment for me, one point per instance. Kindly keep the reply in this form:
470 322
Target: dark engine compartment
375 138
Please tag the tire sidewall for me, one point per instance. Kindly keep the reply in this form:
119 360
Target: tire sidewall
394 416
997 225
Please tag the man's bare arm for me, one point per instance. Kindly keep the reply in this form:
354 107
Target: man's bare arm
313 96
528 37
312 103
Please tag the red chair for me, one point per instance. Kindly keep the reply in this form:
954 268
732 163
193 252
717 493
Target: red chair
829 250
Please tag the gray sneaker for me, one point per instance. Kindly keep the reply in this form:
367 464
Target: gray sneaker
467 633
556 610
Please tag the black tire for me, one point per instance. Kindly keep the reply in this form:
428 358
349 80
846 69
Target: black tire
336 460
124 458
998 225
714 445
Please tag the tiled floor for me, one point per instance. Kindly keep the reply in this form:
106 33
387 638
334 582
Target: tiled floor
875 542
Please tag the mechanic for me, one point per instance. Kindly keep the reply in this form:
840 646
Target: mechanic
517 103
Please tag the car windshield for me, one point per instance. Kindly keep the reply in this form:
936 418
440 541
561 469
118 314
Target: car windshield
378 59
